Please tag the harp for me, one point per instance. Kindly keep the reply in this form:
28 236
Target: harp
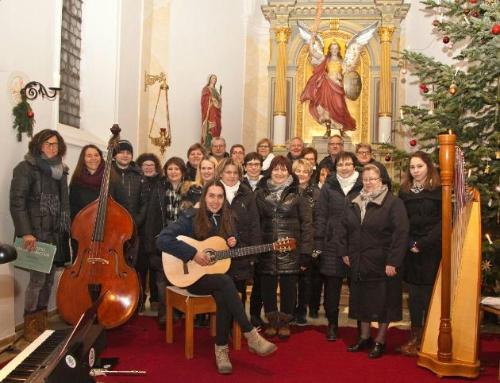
451 334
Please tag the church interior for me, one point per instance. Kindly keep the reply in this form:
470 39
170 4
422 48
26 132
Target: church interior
142 64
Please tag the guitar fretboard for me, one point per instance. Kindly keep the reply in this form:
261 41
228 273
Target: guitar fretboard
241 252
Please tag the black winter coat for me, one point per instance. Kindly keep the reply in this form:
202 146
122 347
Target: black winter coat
131 181
382 238
247 226
424 214
291 217
28 184
329 212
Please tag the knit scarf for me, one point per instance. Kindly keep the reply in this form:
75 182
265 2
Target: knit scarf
231 191
277 190
347 183
55 205
91 181
365 198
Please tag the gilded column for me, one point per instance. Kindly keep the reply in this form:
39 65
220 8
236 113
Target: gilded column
385 95
282 35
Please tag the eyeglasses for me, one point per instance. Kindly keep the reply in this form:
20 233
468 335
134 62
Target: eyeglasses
335 144
344 164
366 180
263 146
218 146
252 164
364 153
51 144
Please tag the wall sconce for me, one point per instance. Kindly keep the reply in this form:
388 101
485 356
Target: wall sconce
164 139
31 92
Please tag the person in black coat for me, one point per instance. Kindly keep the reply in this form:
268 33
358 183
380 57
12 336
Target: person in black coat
421 193
213 218
246 221
164 207
339 190
152 174
372 241
39 206
283 213
195 154
335 146
308 189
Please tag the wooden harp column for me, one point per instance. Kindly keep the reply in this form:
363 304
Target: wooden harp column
451 334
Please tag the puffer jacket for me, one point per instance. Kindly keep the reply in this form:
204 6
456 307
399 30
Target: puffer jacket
291 217
130 180
329 212
28 183
247 226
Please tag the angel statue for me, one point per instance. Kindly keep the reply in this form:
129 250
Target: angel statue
211 103
325 90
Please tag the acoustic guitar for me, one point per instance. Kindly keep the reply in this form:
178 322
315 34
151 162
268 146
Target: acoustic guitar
183 274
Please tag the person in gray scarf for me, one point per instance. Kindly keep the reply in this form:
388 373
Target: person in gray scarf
39 206
372 242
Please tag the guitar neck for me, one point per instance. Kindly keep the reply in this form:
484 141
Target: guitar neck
243 251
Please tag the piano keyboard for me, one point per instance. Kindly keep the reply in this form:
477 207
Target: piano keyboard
33 358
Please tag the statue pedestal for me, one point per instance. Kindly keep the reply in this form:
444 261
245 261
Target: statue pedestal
320 143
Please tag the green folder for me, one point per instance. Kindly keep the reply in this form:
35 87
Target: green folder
40 259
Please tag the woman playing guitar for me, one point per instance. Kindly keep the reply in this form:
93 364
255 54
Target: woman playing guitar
213 218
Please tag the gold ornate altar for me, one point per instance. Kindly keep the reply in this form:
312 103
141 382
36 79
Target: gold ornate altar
290 67
305 125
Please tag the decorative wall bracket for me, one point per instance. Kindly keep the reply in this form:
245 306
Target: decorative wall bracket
33 89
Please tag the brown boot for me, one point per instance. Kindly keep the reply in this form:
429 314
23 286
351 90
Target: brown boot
258 344
31 331
411 347
222 361
272 326
42 322
284 326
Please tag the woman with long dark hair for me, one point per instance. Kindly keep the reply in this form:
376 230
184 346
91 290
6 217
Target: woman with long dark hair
421 193
213 218
39 206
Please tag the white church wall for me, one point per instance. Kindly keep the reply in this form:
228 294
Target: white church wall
108 93
204 37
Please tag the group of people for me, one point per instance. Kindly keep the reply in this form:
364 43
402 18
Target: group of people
341 211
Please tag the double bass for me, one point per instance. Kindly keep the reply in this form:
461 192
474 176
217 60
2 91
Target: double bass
100 267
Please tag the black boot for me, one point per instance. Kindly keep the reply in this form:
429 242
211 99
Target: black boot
363 344
377 351
331 332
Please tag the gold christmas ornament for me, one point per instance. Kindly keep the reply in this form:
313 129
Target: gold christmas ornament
453 89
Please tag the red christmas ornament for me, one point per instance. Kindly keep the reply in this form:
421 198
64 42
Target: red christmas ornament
473 1
30 114
425 90
422 86
387 158
495 29
446 39
413 142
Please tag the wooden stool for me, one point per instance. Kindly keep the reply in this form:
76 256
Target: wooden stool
190 305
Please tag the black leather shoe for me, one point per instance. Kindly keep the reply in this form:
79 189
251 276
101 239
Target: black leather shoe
377 351
331 333
363 344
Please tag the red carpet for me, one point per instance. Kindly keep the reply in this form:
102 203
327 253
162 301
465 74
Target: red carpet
305 357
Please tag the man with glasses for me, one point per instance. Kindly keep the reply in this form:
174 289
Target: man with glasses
364 157
218 149
335 146
253 168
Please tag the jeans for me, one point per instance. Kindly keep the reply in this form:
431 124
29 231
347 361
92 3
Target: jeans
38 291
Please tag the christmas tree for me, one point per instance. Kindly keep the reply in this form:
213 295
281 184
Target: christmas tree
463 97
